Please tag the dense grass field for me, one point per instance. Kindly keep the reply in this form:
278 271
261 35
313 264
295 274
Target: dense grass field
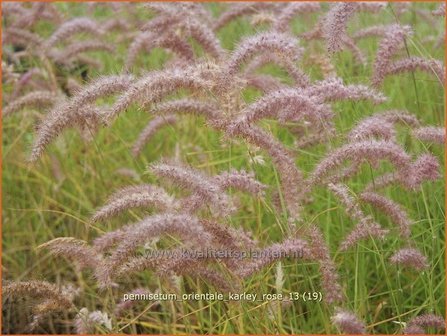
57 195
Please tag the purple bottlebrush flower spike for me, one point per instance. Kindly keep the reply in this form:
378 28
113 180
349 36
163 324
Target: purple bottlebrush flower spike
76 110
431 134
348 322
135 197
417 324
390 208
392 41
37 99
148 132
334 24
76 250
365 227
410 257
319 251
371 150
289 11
283 44
71 27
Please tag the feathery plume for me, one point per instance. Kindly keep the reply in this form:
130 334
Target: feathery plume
148 132
390 208
268 255
76 250
391 42
347 322
38 290
334 24
319 251
430 134
369 150
372 31
135 197
288 12
291 177
333 89
410 257
299 77
66 55
21 37
416 324
37 99
286 104
429 66
76 110
85 322
282 44
133 235
365 227
238 10
240 180
381 125
72 27
154 86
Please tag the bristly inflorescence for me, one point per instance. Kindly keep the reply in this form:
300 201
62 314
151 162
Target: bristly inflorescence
291 123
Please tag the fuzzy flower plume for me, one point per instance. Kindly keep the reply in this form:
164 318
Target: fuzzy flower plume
29 79
348 323
430 66
431 134
286 105
130 237
37 290
319 251
391 209
76 110
334 24
227 236
86 322
72 27
425 168
381 126
65 55
417 324
149 40
390 44
283 44
135 197
37 99
372 151
154 86
148 132
204 189
21 37
333 89
365 227
240 180
240 9
410 257
372 31
298 76
290 247
291 177
187 106
291 10
76 250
